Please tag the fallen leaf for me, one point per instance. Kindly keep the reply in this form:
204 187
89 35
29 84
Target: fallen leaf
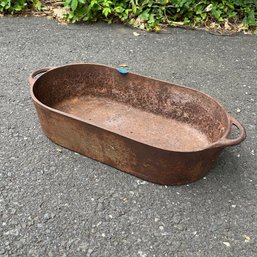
208 8
227 26
213 25
59 150
241 27
157 29
226 244
142 26
63 23
59 13
247 238
138 22
177 23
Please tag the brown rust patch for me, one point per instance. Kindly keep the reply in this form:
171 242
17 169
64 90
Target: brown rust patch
139 125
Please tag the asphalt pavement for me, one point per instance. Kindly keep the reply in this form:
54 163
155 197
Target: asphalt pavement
54 202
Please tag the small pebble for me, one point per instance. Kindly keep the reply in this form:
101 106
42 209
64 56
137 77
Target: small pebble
13 211
99 223
139 182
47 216
238 110
141 254
247 238
90 251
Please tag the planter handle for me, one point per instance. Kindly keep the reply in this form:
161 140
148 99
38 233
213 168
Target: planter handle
34 74
223 142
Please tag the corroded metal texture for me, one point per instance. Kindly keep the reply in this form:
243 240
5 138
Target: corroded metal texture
155 130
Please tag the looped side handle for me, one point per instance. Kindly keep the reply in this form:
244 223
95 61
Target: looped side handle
33 76
223 142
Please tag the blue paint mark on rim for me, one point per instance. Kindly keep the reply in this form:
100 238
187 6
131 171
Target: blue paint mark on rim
122 71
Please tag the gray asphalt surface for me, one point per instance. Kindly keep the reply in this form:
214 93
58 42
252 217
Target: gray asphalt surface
58 203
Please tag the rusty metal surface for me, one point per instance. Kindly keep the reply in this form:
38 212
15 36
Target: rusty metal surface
164 133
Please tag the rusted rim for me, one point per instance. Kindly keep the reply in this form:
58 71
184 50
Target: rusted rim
222 142
35 75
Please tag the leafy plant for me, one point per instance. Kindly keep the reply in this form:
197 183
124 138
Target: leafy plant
12 6
153 14
150 14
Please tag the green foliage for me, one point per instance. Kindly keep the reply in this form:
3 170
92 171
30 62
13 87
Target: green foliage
14 6
152 14
149 14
